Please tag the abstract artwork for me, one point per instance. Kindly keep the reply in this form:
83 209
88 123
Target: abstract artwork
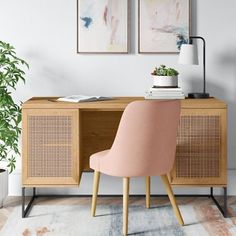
102 26
163 25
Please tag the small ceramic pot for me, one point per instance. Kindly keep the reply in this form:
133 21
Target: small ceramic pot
165 81
3 186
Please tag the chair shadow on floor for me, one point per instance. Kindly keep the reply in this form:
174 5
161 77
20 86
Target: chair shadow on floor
108 214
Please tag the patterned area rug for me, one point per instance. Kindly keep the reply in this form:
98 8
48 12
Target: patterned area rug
75 220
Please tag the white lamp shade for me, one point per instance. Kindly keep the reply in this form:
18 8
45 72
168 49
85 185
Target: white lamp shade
188 55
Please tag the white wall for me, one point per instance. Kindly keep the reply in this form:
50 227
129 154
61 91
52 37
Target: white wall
44 34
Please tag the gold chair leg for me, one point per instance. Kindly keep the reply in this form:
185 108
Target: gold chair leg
125 204
172 199
95 191
148 191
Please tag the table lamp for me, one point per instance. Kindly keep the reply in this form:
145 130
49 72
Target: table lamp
189 56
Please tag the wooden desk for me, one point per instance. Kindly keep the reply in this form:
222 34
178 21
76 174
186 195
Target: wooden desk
59 137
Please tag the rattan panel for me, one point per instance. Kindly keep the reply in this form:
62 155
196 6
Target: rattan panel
198 147
50 146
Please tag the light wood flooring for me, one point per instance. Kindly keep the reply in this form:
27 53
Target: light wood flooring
12 202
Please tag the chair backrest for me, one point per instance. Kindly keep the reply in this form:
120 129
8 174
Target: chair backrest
145 142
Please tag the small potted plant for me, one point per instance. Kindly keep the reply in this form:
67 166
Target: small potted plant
164 77
10 113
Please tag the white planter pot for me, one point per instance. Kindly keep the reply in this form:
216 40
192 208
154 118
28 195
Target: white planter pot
165 81
3 186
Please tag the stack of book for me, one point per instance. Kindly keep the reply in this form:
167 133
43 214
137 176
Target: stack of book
164 93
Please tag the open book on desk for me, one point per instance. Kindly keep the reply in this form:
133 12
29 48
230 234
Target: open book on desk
83 98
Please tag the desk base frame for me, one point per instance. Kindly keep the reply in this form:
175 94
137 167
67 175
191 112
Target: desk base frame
26 209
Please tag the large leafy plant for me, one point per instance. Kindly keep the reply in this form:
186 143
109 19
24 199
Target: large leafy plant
10 113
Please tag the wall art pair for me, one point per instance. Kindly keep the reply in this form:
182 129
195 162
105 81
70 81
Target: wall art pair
103 25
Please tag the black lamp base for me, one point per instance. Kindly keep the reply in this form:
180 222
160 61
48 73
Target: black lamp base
198 95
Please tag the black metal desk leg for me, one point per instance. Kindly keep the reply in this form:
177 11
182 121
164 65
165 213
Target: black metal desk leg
25 211
211 191
223 209
225 202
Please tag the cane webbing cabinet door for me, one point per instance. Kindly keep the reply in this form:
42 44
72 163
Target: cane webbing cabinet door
201 148
50 147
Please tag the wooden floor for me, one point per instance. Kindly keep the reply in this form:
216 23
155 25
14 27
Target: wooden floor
12 202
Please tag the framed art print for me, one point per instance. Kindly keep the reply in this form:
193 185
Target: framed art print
102 26
163 25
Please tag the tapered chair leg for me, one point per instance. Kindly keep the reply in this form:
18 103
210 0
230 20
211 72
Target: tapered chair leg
95 191
125 205
148 179
172 199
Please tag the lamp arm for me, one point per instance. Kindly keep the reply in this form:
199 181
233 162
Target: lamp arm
204 58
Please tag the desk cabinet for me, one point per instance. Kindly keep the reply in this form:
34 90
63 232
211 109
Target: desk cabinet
59 137
50 153
201 148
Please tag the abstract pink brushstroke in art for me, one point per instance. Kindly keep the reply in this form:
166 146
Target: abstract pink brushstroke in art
111 18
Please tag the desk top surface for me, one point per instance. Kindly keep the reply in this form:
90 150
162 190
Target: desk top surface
117 103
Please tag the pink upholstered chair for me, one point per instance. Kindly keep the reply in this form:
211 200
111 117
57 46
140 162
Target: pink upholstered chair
144 145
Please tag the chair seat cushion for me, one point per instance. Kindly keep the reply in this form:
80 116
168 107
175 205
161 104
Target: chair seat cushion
95 160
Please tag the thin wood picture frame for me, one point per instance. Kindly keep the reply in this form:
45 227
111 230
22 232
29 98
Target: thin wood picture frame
163 25
103 26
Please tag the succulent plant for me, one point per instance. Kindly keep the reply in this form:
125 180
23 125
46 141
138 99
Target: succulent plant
164 71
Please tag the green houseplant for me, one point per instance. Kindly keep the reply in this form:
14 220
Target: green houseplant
10 113
165 77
